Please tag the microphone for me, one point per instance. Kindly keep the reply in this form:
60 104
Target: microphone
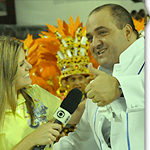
68 106
66 109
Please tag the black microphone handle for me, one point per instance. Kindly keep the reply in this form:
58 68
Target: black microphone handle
57 121
41 147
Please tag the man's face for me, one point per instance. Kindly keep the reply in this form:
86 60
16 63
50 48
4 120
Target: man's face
23 78
107 42
77 81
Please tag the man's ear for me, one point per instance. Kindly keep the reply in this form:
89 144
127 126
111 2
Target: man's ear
64 83
128 31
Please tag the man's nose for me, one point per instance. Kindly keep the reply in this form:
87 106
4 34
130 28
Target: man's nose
96 42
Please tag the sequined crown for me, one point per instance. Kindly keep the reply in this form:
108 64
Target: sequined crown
73 54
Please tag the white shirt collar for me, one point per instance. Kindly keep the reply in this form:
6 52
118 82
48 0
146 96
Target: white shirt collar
133 49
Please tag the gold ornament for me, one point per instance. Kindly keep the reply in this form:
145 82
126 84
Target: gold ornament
72 58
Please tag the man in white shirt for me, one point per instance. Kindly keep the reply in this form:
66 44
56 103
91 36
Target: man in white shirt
114 112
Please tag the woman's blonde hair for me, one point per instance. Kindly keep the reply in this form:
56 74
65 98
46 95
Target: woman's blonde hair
9 55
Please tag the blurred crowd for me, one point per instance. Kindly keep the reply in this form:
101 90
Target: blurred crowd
140 19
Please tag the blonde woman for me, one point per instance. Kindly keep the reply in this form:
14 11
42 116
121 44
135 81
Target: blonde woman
24 109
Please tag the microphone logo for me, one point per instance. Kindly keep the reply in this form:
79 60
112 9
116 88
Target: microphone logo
60 114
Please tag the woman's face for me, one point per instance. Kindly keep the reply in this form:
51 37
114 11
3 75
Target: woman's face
77 81
23 78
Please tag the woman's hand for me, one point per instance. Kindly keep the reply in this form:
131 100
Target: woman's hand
43 135
46 133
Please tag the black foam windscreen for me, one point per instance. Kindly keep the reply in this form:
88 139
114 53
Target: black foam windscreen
70 103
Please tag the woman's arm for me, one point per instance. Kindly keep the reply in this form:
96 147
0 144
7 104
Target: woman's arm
43 135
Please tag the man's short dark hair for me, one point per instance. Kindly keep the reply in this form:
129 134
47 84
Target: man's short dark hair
120 14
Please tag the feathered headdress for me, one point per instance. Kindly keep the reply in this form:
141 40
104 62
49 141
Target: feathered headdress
65 48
